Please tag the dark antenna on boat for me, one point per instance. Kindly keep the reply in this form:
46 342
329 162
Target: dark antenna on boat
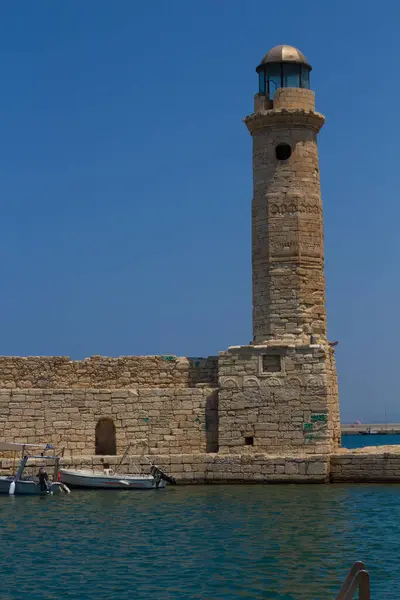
123 457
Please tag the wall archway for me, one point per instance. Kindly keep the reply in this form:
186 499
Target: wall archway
106 441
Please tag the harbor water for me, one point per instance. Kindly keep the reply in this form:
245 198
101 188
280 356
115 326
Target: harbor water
287 542
361 441
201 542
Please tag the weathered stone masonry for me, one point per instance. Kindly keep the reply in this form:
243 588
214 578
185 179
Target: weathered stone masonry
48 372
159 404
160 421
293 409
280 394
171 405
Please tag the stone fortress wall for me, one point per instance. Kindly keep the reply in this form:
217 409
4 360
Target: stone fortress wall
159 404
168 405
152 420
254 414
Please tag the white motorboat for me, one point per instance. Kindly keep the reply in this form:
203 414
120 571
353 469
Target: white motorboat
107 479
34 485
97 479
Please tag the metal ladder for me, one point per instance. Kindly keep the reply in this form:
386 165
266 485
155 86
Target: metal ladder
357 579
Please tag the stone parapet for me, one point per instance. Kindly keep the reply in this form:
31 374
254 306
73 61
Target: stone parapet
50 372
286 98
294 97
366 465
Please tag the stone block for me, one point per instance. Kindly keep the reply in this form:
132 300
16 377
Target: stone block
291 468
316 468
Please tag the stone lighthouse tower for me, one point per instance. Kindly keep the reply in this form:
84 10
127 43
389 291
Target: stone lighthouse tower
279 394
288 253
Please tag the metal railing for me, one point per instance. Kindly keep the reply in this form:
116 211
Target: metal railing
357 579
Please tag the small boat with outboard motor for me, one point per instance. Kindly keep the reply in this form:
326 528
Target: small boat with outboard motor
107 478
23 483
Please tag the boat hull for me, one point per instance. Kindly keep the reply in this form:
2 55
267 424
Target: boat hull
90 479
27 487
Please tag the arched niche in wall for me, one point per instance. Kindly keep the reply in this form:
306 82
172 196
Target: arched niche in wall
106 442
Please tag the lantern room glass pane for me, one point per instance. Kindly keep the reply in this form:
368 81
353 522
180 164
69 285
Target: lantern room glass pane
305 78
261 82
291 75
273 75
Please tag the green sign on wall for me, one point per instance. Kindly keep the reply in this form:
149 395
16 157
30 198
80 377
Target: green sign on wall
320 417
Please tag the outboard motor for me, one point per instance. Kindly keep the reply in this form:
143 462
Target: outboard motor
43 480
159 475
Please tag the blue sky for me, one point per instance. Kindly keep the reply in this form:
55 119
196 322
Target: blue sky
125 178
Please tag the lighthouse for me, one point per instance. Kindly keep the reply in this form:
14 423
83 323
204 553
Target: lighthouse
287 229
279 393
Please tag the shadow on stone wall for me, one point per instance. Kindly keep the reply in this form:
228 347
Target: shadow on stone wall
212 423
203 371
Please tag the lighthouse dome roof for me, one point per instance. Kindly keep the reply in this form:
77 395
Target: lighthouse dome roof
285 53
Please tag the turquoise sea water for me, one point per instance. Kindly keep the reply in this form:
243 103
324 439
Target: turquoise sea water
210 542
282 542
360 441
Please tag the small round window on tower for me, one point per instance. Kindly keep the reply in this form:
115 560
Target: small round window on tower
283 151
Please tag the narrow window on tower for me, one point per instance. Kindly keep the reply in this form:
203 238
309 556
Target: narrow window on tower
283 151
